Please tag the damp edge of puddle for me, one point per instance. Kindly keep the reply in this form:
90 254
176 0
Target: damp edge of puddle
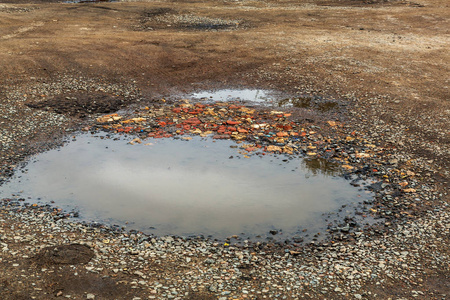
204 163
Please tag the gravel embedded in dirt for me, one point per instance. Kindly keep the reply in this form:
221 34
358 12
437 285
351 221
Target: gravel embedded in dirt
171 266
384 61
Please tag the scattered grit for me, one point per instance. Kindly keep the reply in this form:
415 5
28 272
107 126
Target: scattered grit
171 268
406 251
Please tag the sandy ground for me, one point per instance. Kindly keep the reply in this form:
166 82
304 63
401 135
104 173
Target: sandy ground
388 60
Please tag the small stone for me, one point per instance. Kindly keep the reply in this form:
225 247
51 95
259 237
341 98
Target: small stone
90 296
139 273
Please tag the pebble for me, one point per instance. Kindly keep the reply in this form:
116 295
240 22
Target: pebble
407 246
218 268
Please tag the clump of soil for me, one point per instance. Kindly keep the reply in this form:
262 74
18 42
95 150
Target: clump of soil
81 104
65 254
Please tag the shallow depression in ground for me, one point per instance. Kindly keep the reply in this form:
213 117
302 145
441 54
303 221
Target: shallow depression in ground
182 187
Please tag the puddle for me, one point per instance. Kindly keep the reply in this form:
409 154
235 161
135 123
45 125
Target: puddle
311 102
185 188
245 95
321 166
266 98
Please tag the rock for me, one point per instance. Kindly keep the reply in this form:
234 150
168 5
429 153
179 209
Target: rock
139 273
209 261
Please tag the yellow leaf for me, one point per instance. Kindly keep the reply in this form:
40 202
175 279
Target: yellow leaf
273 148
332 123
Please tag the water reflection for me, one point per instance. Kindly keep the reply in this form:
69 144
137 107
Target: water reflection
311 102
253 95
267 98
184 187
322 166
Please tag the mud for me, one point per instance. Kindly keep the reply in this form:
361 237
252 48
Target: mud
81 104
385 62
67 254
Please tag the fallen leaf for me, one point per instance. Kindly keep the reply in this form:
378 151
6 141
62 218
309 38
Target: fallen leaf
136 140
273 148
282 133
410 173
332 123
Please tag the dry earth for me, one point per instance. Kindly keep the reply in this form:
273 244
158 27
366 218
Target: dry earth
387 60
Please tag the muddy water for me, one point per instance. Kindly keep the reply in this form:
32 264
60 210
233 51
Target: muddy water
179 187
266 98
246 95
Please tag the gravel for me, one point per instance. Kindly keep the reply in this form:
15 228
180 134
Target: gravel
175 266
410 245
22 129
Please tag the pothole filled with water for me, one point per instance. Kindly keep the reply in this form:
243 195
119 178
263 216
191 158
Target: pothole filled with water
267 98
187 187
251 95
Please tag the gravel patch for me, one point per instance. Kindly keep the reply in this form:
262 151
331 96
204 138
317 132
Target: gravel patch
411 244
23 129
166 18
174 267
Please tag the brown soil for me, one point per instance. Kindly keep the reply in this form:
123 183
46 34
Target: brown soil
67 254
391 55
81 104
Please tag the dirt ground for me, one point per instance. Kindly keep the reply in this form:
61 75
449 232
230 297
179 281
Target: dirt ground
388 60
390 54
